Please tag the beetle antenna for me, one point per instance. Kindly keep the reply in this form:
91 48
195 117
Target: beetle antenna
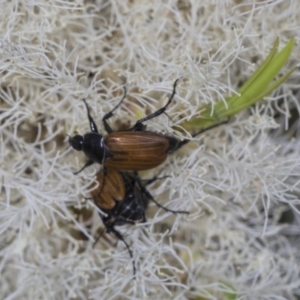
68 136
69 144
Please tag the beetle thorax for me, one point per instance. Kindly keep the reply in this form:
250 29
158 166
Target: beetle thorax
94 147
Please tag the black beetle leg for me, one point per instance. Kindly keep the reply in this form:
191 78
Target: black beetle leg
93 125
87 164
111 113
149 196
149 181
121 238
111 225
146 182
97 239
137 125
182 143
164 208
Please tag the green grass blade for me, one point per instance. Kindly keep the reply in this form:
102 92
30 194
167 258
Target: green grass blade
258 86
261 68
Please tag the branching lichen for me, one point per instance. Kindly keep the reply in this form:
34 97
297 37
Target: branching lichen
239 181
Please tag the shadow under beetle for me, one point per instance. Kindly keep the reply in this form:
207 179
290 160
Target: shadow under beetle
123 199
135 149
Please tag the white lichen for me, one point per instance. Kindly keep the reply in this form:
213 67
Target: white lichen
240 181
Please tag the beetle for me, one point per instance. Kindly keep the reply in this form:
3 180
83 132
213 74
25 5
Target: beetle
123 199
135 149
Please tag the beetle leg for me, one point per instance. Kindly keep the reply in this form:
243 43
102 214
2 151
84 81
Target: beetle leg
111 113
135 178
149 181
120 237
182 143
168 116
164 208
87 164
93 125
111 225
158 112
119 218
97 239
149 196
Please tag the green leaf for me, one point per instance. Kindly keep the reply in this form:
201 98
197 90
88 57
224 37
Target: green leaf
255 88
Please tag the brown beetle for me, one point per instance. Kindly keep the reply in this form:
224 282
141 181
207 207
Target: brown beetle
123 199
133 150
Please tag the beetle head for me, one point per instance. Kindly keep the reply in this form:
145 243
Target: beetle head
76 142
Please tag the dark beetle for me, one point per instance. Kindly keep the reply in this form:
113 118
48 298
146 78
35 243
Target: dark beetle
133 150
123 199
